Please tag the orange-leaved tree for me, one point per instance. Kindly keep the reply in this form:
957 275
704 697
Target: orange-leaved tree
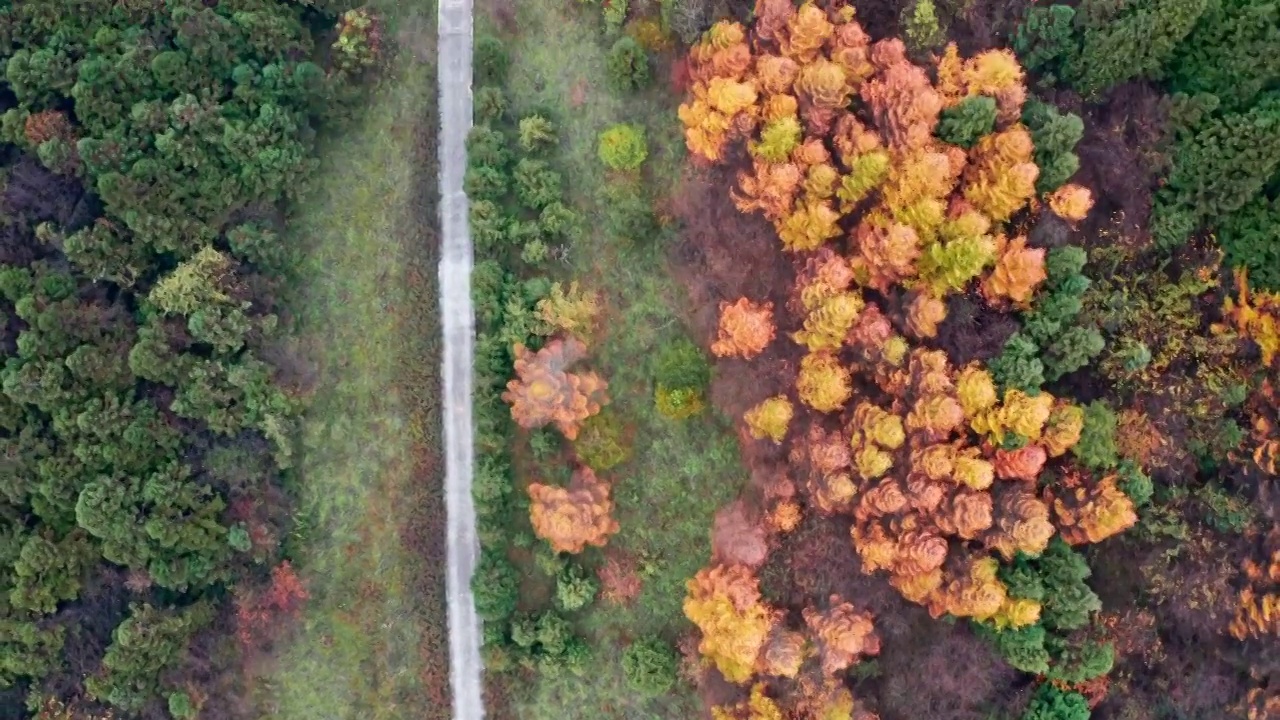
1088 510
574 517
746 329
843 634
1258 603
544 391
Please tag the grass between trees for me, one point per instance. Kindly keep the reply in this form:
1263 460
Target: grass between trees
679 472
372 642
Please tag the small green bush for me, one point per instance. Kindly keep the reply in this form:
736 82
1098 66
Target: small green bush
601 444
489 105
1171 224
649 665
495 587
1250 238
535 252
1079 662
628 213
678 403
628 65
1133 354
1097 447
536 134
1068 599
574 658
1023 648
491 61
557 222
1135 483
1234 394
488 227
492 482
623 147
487 147
575 588
536 184
1226 512
548 561
487 282
544 443
919 24
524 631
1019 365
1056 579
681 373
615 14
521 232
180 706
682 364
1050 703
1071 350
1062 263
553 633
251 242
485 183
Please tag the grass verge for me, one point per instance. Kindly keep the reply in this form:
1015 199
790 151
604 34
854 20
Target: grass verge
372 642
680 472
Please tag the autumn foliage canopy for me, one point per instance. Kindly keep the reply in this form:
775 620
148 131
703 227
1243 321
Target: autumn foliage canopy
570 518
942 471
544 390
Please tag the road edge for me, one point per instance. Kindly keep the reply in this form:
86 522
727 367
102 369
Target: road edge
455 28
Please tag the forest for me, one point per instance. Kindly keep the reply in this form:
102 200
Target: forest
149 152
835 360
878 360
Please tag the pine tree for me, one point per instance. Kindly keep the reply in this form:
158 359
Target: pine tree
1222 166
1232 53
1134 44
1046 40
1054 135
965 123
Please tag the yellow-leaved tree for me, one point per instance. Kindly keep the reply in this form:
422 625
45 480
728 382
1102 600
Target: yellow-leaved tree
724 601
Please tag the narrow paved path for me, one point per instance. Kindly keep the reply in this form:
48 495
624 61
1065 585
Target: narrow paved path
455 28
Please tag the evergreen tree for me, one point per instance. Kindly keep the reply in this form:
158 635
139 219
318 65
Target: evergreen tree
1224 164
1250 237
1046 40
148 642
1051 703
965 123
628 65
1136 42
1054 135
1231 53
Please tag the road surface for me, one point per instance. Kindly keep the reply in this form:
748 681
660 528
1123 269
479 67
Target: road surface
455 29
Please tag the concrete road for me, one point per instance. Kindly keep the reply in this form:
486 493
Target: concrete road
456 258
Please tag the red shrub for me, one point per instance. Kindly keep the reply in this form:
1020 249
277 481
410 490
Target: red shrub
259 614
619 579
47 125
